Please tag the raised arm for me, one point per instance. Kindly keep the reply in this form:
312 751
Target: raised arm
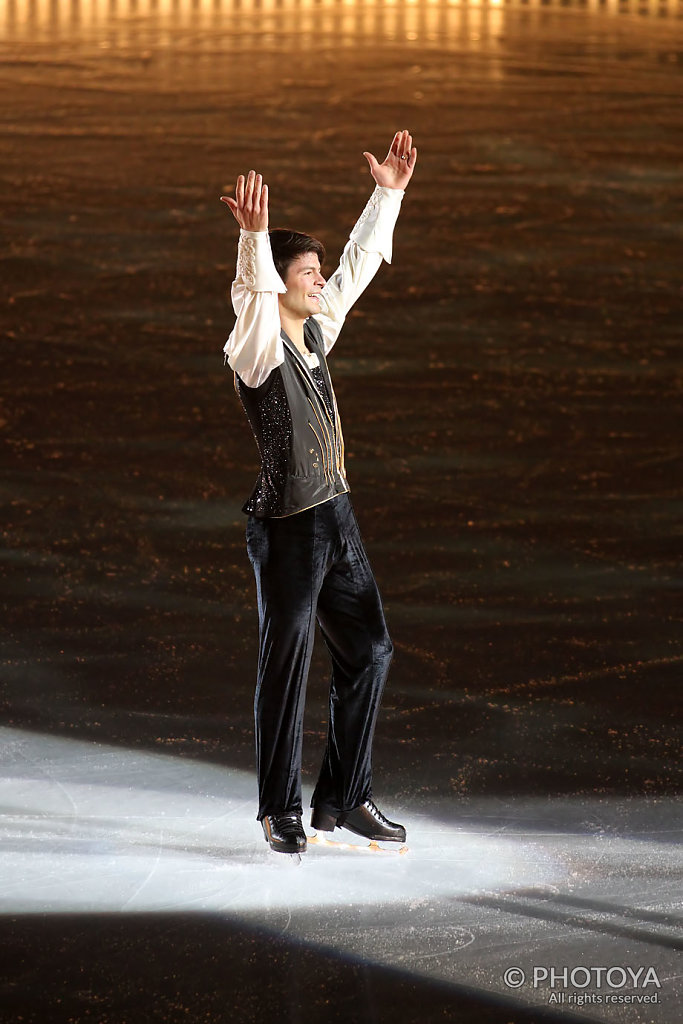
254 347
371 239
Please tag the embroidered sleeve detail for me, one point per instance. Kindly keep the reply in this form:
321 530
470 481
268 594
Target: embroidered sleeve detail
375 227
371 206
255 267
246 261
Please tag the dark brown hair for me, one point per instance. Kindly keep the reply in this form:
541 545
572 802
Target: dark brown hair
287 245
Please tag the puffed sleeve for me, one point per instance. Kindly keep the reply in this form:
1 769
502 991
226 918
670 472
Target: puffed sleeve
254 347
370 242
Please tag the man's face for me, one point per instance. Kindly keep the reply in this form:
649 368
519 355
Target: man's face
304 282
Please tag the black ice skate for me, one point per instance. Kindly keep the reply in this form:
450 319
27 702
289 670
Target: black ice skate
366 821
284 833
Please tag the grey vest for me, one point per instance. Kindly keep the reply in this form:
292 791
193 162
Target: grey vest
300 443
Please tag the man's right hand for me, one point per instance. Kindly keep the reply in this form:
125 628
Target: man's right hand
250 205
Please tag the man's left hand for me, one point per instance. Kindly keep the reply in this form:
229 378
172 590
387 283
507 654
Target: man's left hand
397 169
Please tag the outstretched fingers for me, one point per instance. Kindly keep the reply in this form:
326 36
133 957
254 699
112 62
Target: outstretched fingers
397 168
255 193
405 145
250 205
401 145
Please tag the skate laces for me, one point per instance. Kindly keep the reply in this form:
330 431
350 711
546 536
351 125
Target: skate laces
376 813
286 824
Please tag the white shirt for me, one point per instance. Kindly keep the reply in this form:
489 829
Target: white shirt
255 345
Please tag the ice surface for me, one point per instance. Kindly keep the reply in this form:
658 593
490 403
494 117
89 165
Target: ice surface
90 829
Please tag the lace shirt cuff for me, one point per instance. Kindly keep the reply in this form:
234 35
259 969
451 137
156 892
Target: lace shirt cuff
255 265
375 227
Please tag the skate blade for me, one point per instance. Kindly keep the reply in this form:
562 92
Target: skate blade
284 858
355 844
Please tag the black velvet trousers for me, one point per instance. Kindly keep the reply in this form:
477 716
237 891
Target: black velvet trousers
308 566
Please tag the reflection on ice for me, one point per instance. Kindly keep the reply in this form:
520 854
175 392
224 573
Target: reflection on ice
411 20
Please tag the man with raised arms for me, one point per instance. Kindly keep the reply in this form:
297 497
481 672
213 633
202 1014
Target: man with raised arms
302 535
